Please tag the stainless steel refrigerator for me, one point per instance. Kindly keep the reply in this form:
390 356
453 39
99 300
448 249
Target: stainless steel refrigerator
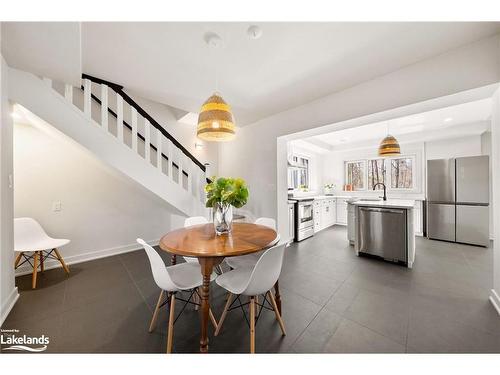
458 200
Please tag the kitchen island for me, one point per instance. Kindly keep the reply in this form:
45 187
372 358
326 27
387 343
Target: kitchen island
385 229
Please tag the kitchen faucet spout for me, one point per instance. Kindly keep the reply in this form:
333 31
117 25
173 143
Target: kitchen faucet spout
385 189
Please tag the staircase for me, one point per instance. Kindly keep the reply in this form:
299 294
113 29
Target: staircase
102 118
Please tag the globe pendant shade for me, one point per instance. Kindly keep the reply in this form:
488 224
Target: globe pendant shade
389 147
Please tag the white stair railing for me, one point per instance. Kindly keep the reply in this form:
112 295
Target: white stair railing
179 162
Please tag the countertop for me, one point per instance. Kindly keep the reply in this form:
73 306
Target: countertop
318 197
393 203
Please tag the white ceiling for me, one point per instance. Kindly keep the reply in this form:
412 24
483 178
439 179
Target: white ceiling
292 63
462 120
48 49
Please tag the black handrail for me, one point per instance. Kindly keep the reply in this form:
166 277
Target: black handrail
98 101
119 90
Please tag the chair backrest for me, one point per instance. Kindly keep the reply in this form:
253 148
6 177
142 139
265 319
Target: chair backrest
266 221
195 220
27 233
160 273
266 272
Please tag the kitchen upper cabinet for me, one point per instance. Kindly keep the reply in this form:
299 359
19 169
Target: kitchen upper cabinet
341 211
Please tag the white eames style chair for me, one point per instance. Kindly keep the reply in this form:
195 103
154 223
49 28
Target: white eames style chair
250 260
190 221
252 282
29 237
173 279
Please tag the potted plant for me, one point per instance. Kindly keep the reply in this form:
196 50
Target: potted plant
329 189
222 195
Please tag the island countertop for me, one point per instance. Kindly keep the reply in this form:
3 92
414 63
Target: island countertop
392 203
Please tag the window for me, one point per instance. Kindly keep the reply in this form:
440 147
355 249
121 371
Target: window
298 175
397 173
376 173
355 174
402 173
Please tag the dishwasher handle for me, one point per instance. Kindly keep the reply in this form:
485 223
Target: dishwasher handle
388 210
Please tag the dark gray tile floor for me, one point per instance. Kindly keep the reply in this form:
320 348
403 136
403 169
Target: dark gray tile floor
333 302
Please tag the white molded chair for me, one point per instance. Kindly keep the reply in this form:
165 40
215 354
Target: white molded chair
29 237
254 281
190 221
250 260
173 279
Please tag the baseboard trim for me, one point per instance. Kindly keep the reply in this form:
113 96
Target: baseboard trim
85 257
495 300
9 304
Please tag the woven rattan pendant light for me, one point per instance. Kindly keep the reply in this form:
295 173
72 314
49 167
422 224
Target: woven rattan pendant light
389 146
215 122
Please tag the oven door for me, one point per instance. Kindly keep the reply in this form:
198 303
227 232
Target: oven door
305 214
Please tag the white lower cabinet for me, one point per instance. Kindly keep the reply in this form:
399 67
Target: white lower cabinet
341 211
324 214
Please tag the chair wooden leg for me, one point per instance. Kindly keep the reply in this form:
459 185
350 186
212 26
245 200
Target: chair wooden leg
224 313
18 259
42 266
196 299
152 325
171 318
252 324
277 313
212 318
66 269
35 270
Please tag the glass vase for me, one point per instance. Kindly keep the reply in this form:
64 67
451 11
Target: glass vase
223 218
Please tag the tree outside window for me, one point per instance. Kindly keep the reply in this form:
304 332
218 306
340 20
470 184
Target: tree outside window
402 173
376 173
356 172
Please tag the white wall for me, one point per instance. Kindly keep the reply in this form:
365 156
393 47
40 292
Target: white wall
102 212
495 140
451 148
8 291
315 168
255 152
486 150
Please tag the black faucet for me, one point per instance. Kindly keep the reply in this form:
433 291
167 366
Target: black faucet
385 190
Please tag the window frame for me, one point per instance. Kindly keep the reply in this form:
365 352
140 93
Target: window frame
388 171
365 173
308 169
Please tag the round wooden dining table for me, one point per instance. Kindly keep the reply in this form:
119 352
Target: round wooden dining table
200 241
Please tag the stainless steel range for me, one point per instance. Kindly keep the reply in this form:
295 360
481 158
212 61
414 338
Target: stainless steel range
304 218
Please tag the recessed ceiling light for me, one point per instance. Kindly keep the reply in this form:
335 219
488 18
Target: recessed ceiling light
448 119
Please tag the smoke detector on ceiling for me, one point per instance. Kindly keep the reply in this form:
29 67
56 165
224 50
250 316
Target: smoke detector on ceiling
254 32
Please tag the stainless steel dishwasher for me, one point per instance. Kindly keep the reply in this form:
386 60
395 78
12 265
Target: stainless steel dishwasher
382 232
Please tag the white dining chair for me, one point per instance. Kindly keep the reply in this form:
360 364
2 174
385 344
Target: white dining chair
252 282
250 260
173 279
190 221
33 244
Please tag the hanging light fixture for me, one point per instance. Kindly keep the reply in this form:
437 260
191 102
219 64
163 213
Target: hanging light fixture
215 121
389 145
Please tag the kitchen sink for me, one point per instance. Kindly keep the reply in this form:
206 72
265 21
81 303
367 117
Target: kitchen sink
369 199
